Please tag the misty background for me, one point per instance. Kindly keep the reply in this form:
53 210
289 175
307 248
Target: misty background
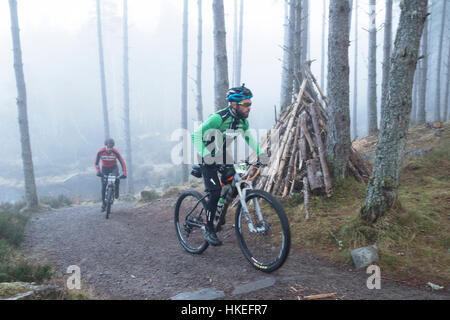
60 55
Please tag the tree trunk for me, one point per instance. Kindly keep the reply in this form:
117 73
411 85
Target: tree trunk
305 31
383 184
437 105
199 62
322 62
288 57
355 78
372 80
27 158
414 99
239 51
184 76
387 53
297 44
102 72
350 4
221 83
338 136
126 100
421 112
447 84
235 42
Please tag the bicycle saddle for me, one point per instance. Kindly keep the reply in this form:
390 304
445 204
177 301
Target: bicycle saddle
196 171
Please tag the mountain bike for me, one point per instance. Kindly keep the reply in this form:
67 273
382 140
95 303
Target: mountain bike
262 228
110 191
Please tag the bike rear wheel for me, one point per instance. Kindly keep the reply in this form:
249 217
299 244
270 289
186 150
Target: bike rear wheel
267 248
190 219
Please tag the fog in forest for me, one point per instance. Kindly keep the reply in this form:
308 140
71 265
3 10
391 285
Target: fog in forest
61 67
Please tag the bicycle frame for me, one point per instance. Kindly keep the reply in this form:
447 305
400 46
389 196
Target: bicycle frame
110 184
242 186
238 181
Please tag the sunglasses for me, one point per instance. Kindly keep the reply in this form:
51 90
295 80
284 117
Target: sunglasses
244 104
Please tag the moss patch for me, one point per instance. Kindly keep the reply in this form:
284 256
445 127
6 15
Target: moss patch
8 290
149 195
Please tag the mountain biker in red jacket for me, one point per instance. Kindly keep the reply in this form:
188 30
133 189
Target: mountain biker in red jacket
109 156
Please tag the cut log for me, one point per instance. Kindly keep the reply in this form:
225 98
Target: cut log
315 176
320 296
321 147
306 196
303 156
355 172
292 159
294 175
313 79
360 165
305 131
282 165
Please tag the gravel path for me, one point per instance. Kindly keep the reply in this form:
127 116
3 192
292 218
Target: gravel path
136 255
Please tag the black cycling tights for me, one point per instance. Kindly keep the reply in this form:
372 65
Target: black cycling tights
212 184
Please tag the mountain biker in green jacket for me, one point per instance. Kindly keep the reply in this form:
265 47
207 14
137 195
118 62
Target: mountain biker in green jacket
225 122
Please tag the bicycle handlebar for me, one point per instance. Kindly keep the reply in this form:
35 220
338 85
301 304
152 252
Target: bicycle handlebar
105 176
256 164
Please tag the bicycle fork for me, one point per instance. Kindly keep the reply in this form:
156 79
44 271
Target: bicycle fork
242 196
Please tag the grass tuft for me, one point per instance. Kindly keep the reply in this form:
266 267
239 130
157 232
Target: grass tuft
13 266
56 202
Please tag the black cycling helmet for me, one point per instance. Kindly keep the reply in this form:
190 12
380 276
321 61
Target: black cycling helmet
109 142
237 94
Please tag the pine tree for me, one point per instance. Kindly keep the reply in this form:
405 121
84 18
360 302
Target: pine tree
198 81
437 105
421 103
355 77
221 83
297 46
383 184
338 136
322 60
126 100
387 52
184 76
287 72
447 85
102 72
372 76
27 158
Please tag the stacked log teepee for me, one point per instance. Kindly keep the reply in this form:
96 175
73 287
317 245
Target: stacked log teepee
296 145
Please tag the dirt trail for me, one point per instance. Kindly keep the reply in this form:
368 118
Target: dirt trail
136 255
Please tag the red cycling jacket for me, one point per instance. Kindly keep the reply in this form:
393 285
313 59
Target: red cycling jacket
109 159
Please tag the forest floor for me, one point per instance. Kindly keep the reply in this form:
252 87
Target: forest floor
136 255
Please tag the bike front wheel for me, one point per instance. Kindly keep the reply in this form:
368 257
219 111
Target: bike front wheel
190 219
266 246
109 200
